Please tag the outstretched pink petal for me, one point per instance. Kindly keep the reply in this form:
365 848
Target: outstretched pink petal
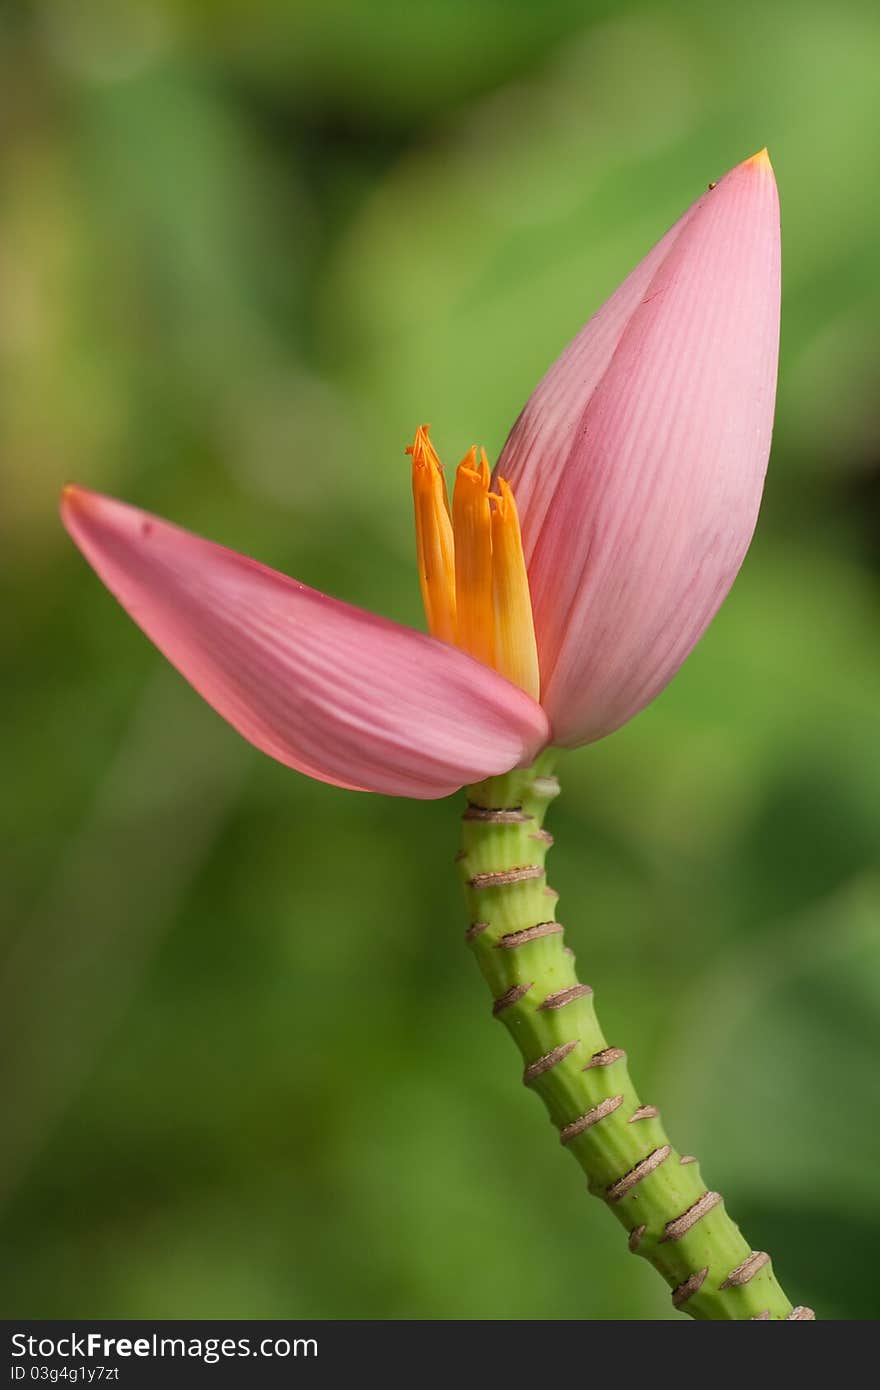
639 463
326 688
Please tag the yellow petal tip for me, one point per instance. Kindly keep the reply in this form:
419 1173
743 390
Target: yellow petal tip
760 161
71 495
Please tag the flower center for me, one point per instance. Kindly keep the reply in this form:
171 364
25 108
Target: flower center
471 567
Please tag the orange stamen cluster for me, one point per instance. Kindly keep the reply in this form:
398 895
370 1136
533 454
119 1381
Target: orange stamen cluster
471 566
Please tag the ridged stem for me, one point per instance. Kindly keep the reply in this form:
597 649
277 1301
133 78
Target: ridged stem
657 1194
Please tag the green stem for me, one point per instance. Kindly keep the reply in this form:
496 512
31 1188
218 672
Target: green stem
657 1194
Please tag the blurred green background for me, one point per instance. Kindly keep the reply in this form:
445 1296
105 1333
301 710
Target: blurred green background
247 1068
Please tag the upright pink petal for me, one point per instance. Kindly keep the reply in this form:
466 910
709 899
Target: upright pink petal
538 447
326 688
641 476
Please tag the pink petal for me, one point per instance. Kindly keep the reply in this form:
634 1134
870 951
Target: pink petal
537 449
640 460
338 693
